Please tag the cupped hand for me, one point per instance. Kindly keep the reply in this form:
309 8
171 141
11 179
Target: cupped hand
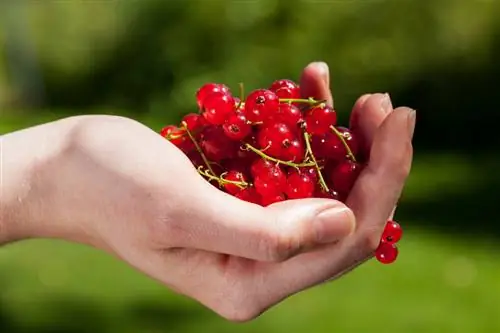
132 193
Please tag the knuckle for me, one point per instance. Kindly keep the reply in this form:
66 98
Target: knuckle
238 306
280 246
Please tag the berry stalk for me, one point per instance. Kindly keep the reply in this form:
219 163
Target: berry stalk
309 151
310 101
267 157
220 179
347 148
198 148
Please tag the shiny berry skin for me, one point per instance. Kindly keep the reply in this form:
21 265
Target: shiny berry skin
236 126
344 175
320 118
261 166
249 195
165 131
181 140
386 253
234 176
293 151
311 172
331 194
208 89
299 186
330 146
266 201
266 187
275 137
217 107
392 233
193 122
216 145
260 104
288 114
285 89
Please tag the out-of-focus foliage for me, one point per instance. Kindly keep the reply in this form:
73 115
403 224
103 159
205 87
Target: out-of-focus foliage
150 56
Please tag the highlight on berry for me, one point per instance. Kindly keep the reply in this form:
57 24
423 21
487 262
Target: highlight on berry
273 145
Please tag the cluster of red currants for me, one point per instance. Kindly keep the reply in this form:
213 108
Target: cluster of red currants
271 146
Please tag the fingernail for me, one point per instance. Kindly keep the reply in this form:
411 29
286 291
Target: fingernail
333 224
324 70
411 122
386 103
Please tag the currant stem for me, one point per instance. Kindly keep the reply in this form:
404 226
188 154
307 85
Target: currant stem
309 100
267 157
221 180
347 148
242 95
198 148
322 182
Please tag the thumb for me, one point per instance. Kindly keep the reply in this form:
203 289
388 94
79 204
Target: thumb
221 223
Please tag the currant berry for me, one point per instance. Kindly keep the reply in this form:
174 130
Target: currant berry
311 172
261 166
165 131
285 89
234 176
236 126
261 104
344 175
292 151
330 146
193 122
216 145
331 194
299 186
288 114
249 195
181 140
386 253
266 187
320 118
217 107
274 137
392 232
266 201
208 89
195 158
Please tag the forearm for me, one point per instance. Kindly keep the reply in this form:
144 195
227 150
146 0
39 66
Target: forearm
27 157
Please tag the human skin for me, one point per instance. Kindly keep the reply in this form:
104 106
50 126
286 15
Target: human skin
114 184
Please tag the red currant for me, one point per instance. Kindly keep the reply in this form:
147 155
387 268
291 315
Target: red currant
331 194
288 114
236 126
193 122
266 187
386 253
392 232
234 176
208 89
266 201
299 186
293 151
274 137
261 104
216 145
249 195
217 107
181 140
344 176
285 89
165 131
320 118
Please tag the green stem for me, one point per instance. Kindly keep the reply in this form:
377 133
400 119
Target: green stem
221 180
267 157
347 148
198 148
242 95
309 100
310 153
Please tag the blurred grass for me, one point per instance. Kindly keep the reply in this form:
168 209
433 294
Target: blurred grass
441 283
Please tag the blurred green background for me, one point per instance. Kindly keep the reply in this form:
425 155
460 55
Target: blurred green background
145 59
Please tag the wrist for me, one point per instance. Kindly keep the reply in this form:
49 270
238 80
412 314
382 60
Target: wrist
29 160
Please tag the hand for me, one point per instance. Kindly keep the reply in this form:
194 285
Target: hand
112 183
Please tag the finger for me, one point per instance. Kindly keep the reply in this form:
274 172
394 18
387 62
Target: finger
367 115
212 220
315 82
372 199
